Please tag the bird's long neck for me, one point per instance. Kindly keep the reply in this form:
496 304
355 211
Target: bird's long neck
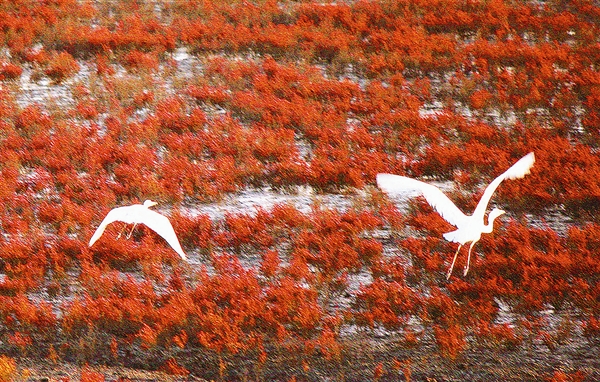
489 227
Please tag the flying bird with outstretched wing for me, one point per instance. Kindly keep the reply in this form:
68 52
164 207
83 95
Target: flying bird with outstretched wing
469 227
141 214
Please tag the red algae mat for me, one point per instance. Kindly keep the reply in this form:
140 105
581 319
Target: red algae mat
259 128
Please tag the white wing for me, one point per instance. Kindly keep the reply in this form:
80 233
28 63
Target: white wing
116 214
140 214
516 171
162 226
396 185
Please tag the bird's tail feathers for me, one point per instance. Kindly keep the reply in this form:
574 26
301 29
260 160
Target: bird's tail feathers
455 236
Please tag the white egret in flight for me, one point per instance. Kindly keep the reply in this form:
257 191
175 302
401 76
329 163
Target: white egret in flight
471 227
140 213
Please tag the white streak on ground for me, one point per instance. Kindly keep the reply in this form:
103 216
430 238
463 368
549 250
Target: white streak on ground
251 200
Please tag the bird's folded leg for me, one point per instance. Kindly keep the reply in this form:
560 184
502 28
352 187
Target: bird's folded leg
121 232
453 260
468 259
131 232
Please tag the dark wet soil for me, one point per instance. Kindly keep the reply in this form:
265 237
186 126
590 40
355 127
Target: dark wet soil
578 360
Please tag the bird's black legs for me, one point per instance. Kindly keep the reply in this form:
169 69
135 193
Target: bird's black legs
131 232
453 260
469 258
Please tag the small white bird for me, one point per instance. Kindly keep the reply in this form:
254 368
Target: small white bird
471 227
140 213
